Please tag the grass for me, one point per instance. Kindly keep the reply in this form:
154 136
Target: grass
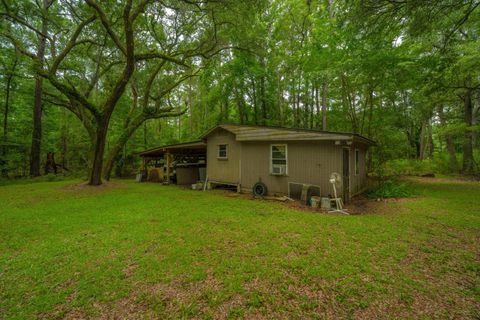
150 251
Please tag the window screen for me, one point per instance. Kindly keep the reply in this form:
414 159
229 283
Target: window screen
222 151
279 159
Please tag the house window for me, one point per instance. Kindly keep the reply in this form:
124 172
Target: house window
222 151
357 161
278 156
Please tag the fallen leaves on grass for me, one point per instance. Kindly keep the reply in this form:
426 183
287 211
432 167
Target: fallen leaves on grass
85 186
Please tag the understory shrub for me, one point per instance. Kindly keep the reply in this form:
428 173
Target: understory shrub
44 178
391 188
407 167
440 163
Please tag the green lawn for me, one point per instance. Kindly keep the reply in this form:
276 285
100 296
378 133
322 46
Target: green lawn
151 251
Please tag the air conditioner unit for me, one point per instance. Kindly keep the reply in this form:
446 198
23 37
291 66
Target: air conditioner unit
279 170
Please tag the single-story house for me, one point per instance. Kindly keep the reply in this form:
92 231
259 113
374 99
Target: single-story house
280 158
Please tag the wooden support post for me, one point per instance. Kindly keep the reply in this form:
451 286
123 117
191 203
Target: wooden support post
167 161
205 183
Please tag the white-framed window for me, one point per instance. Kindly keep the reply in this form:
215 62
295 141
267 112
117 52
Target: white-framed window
278 159
357 161
222 151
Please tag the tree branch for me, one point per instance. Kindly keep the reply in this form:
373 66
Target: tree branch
70 92
158 55
19 47
140 9
70 106
129 67
71 44
106 24
149 84
24 23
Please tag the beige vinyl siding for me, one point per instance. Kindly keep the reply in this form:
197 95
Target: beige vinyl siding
308 162
223 170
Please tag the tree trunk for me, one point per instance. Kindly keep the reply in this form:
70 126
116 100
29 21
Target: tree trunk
468 162
306 105
99 150
126 135
293 97
317 105
423 145
280 120
226 110
37 105
370 113
297 102
475 120
107 170
179 125
431 145
8 88
324 105
254 100
63 139
190 107
349 100
413 136
37 129
312 106
240 106
452 162
263 100
145 135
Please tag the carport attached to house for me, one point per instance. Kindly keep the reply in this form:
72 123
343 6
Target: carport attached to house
183 163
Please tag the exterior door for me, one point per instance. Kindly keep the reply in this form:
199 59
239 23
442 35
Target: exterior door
346 175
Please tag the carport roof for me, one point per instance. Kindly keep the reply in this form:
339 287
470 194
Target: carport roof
197 147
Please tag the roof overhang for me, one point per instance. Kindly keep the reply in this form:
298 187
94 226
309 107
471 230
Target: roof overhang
198 147
361 139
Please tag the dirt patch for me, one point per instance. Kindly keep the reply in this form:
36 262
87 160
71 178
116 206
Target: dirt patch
179 298
122 309
84 186
420 307
358 205
202 297
129 270
363 205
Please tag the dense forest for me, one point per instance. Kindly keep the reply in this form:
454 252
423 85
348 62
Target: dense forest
94 82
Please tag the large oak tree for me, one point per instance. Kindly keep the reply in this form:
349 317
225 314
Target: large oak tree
96 48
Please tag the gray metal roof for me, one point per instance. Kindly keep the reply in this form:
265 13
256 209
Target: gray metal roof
256 133
266 133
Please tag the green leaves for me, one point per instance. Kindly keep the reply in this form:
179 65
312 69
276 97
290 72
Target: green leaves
379 68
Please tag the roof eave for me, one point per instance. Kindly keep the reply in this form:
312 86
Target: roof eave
161 148
362 139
